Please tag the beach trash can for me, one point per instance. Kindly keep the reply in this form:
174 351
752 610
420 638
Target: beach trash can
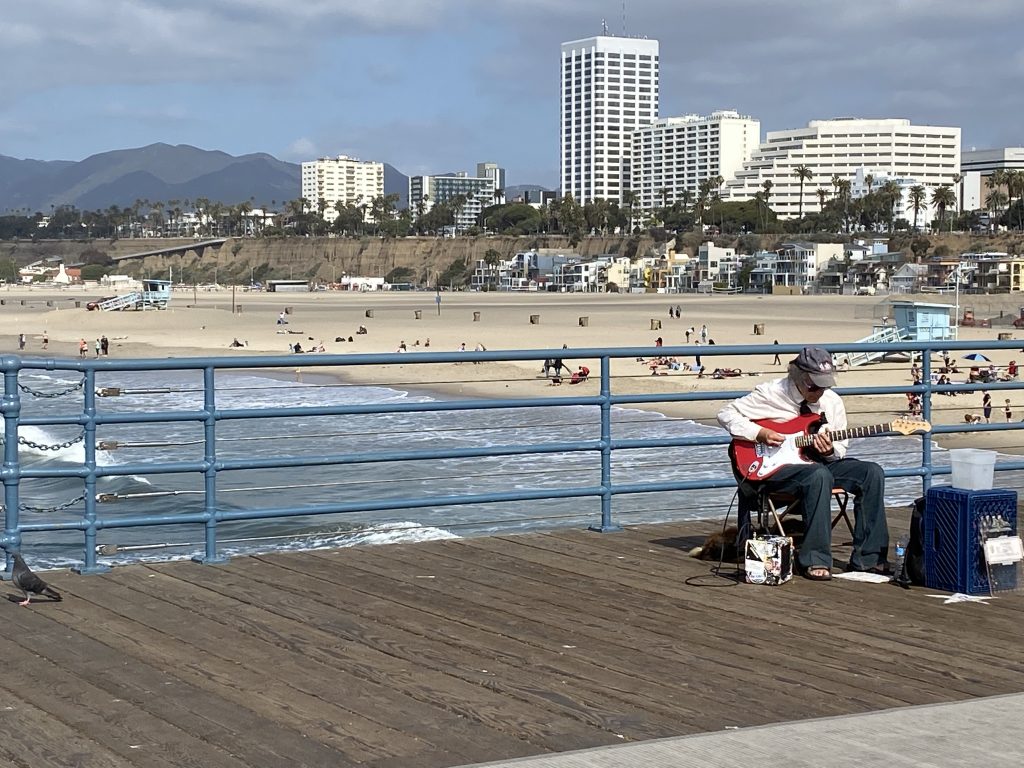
584 322
534 319
78 305
418 314
287 310
759 329
956 524
369 313
476 317
655 324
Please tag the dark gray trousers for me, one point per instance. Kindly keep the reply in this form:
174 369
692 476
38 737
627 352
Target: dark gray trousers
813 484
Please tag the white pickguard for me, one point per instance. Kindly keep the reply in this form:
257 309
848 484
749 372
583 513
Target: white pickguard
772 457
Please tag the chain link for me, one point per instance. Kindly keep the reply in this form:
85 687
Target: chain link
51 510
68 391
55 447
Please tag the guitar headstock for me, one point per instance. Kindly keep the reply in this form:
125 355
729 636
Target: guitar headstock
907 426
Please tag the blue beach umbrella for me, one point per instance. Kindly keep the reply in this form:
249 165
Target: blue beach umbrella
976 357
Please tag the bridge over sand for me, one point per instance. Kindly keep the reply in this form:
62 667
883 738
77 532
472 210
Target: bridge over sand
181 249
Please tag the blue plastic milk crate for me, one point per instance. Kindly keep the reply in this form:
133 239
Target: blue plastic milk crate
953 520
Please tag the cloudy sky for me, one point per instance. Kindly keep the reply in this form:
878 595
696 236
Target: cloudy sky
432 86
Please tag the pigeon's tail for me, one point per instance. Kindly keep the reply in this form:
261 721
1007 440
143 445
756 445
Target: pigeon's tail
52 593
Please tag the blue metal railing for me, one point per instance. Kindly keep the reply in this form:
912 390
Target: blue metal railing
215 463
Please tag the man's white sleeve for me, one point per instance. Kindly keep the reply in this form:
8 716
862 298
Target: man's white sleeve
732 417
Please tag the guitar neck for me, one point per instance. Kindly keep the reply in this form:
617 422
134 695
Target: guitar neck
845 434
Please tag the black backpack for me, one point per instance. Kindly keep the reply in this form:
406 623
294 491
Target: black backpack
915 544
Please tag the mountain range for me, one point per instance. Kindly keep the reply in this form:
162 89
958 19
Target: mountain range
162 172
158 172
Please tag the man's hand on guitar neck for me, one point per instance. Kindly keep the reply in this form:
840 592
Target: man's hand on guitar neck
823 442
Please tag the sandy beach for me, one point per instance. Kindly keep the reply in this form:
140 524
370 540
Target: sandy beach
203 323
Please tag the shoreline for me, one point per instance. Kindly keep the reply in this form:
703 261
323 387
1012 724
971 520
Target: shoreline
504 321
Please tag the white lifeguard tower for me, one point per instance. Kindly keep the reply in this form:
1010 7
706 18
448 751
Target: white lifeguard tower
911 321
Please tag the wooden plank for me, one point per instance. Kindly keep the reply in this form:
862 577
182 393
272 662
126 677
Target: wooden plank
36 739
230 733
373 653
217 657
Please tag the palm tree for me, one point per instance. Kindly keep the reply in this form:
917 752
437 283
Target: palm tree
803 173
843 193
942 198
767 187
995 202
1012 181
822 194
958 180
917 197
869 181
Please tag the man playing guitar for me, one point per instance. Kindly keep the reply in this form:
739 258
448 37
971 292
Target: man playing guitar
760 418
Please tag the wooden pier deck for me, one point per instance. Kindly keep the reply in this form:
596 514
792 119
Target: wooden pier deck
455 652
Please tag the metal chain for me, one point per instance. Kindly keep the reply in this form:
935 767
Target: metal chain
68 391
50 510
56 447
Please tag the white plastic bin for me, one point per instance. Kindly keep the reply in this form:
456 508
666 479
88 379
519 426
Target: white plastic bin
973 468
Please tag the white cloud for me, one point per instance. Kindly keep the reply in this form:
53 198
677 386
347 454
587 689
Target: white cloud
300 150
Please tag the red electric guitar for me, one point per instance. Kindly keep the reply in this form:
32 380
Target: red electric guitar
758 461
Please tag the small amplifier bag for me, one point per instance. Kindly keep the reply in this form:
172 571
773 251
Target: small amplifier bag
769 560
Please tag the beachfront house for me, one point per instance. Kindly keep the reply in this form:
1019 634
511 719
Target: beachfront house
908 278
794 265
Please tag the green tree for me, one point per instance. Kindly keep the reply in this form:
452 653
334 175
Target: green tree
942 198
917 197
803 173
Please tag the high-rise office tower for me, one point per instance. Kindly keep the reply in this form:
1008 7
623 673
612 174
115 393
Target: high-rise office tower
609 89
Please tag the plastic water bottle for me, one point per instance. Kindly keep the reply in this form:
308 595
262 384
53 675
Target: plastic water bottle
899 575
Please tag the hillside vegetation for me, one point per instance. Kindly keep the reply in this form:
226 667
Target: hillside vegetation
426 258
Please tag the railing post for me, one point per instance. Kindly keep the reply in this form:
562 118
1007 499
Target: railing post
89 444
607 526
11 408
210 474
926 414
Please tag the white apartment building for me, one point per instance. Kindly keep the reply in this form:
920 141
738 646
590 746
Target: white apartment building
976 165
609 88
827 148
674 155
477 193
496 174
344 180
903 209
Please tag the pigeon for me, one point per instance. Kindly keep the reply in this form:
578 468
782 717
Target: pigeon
29 583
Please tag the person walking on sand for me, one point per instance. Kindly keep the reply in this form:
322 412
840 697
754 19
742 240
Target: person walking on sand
46 340
105 345
98 346
83 348
704 334
777 360
21 341
1008 411
986 407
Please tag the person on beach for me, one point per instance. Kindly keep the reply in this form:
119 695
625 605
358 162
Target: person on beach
986 407
807 389
281 319
46 340
83 348
704 334
1008 411
98 347
777 360
105 345
21 341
